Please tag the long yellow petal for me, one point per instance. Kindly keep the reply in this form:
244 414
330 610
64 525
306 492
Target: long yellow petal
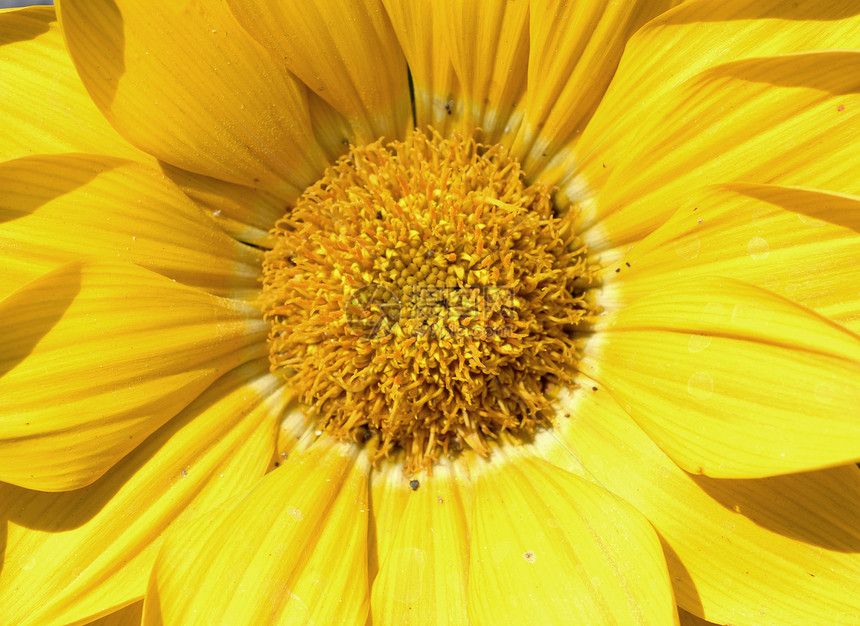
188 85
84 552
345 51
574 49
802 244
45 108
783 550
389 494
245 213
57 208
421 30
731 380
424 577
548 544
488 46
95 358
684 42
785 120
293 551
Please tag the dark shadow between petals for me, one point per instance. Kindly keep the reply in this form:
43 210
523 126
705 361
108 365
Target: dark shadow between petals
819 508
102 17
27 318
803 70
766 9
25 24
68 172
682 582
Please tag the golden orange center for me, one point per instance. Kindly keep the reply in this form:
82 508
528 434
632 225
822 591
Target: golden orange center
421 294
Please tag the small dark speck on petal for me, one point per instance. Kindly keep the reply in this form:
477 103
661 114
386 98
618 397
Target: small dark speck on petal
414 484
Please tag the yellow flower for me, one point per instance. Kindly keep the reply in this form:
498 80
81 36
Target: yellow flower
661 422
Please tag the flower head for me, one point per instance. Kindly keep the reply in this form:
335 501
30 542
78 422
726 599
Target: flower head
450 312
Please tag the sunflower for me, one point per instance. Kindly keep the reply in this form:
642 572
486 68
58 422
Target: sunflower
381 311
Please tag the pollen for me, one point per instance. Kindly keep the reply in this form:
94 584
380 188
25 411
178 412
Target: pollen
423 295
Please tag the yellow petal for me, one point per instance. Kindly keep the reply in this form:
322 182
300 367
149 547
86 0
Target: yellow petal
57 208
785 120
574 50
694 38
550 544
389 494
801 244
346 52
782 550
424 576
97 357
246 214
331 129
186 84
421 30
45 108
731 380
83 552
126 616
488 46
293 551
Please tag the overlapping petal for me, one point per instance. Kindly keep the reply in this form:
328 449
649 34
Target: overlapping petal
44 105
731 380
185 83
802 244
574 49
548 543
786 120
424 575
488 46
294 550
346 52
421 32
96 357
84 552
766 551
684 42
58 208
245 213
776 66
389 495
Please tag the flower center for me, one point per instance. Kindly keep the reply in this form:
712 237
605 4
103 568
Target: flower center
422 294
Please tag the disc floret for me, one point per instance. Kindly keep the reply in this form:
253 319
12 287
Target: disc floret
423 294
